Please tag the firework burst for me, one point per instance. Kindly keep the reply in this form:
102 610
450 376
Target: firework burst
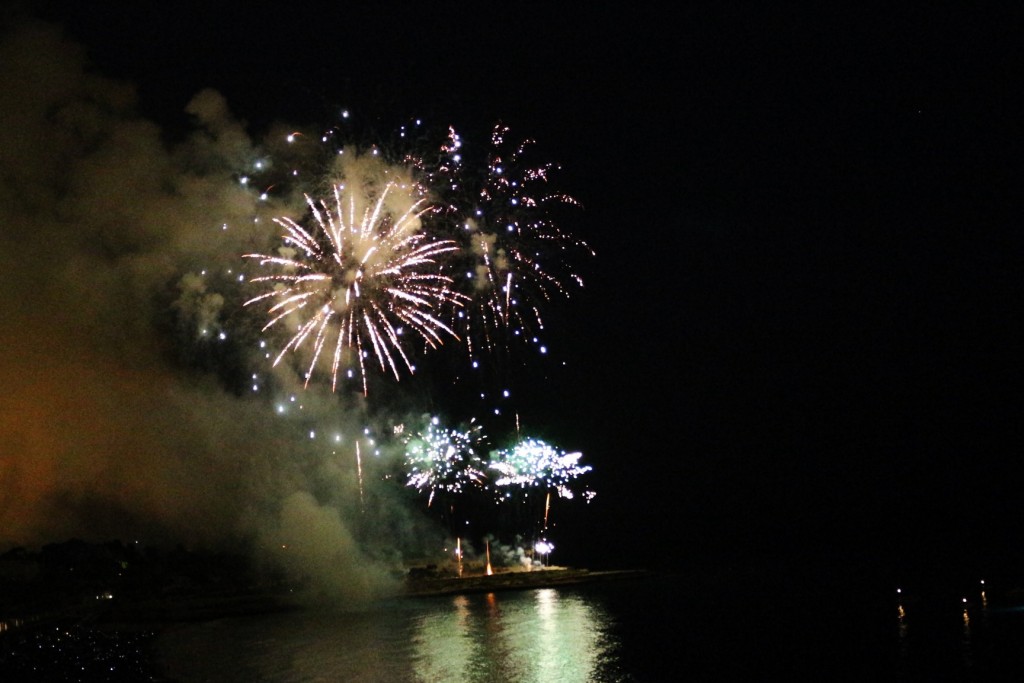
532 463
444 459
355 280
513 251
479 263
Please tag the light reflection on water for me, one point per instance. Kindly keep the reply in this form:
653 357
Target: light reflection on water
539 635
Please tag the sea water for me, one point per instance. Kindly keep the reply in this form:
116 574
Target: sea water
657 628
544 634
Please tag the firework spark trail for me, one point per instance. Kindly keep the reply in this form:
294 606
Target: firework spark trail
359 472
363 278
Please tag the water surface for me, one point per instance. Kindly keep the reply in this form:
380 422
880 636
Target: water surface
747 626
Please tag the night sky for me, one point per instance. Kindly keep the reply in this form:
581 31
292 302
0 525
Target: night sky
802 327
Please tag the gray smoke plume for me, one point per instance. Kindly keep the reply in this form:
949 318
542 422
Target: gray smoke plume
109 430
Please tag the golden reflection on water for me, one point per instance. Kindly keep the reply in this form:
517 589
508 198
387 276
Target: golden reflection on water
10 624
556 636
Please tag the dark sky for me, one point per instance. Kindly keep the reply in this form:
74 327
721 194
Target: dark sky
803 324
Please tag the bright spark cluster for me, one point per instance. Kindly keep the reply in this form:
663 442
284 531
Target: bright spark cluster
354 280
444 459
532 463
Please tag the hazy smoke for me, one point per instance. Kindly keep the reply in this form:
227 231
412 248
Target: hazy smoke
107 428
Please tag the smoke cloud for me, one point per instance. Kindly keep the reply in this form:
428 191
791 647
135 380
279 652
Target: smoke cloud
117 417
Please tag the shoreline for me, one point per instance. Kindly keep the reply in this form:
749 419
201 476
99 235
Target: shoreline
156 612
546 577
